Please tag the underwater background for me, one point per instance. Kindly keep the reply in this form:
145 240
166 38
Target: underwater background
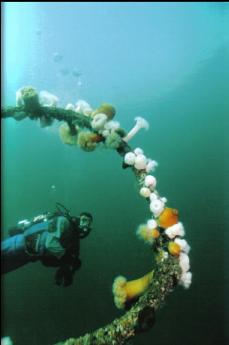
167 62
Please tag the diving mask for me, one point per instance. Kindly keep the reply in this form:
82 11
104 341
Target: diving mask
85 222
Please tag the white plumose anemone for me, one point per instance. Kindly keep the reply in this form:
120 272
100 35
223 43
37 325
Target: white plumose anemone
151 165
105 133
109 128
145 192
184 262
140 123
99 121
153 196
82 107
47 99
112 125
183 244
157 206
150 181
186 279
129 158
19 98
175 230
151 224
164 199
138 151
70 106
140 162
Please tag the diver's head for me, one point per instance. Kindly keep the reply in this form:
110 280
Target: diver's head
85 222
82 223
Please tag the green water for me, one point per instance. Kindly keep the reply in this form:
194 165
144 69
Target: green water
168 63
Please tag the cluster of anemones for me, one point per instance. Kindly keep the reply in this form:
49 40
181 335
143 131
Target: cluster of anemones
163 217
104 128
166 219
139 161
31 100
179 247
109 132
29 94
149 231
164 223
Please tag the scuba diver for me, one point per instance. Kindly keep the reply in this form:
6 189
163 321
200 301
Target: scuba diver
53 238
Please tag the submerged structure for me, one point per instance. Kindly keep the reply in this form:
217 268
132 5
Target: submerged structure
163 233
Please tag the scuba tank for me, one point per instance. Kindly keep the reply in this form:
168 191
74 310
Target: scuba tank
39 231
44 233
24 224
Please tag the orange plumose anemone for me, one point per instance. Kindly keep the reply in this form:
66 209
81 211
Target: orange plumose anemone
155 233
168 217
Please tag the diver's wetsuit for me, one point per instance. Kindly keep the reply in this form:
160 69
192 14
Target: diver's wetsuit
69 262
55 241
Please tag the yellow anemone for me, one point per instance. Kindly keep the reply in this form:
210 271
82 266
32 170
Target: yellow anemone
106 109
125 291
146 234
174 248
155 233
168 217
